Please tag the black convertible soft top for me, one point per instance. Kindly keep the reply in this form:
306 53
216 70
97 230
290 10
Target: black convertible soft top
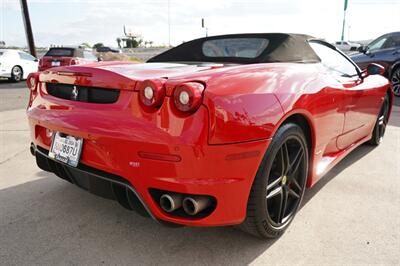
243 49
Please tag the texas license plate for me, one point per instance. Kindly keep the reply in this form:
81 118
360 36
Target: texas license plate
66 149
55 63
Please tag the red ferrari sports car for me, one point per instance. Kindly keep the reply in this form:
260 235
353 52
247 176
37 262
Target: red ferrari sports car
223 130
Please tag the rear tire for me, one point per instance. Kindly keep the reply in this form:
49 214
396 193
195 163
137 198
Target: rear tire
380 125
279 185
16 74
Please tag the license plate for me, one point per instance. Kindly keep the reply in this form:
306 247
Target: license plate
55 63
66 149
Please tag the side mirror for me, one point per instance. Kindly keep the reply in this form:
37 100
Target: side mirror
375 69
362 49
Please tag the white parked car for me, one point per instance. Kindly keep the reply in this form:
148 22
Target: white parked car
16 65
347 46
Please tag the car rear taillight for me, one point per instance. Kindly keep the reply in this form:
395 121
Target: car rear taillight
74 61
32 81
188 96
151 93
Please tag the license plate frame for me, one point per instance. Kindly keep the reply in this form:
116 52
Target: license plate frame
66 148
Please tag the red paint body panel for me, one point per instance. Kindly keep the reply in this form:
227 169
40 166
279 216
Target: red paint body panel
242 108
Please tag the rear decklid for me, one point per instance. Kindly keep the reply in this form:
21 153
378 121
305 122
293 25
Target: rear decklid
122 75
104 82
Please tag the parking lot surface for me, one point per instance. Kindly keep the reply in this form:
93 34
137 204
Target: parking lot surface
352 216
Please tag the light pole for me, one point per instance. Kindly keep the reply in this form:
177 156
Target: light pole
204 26
169 26
344 18
28 27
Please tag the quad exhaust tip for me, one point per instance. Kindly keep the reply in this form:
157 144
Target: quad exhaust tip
170 202
191 205
194 205
32 149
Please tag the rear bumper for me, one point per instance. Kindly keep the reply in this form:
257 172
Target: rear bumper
97 182
115 141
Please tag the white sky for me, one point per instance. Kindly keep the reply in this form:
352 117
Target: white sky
77 21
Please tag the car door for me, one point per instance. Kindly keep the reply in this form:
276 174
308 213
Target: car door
385 50
28 62
359 102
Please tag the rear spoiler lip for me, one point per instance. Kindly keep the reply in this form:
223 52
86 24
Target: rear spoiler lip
87 76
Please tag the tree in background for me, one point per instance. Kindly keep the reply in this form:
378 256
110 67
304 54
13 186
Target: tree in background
98 45
133 42
85 44
119 42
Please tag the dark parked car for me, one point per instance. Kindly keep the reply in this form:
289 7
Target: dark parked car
105 49
384 50
66 56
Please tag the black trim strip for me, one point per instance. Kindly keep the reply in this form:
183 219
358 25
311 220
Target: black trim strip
101 174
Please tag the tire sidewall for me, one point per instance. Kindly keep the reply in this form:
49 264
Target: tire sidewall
16 78
265 226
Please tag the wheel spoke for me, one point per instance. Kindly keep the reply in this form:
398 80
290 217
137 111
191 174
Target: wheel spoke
274 192
294 194
282 206
381 120
285 159
296 162
274 183
296 184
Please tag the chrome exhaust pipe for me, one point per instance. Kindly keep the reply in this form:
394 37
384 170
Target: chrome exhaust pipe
194 205
32 149
170 202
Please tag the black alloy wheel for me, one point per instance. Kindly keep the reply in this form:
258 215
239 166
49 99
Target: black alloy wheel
285 184
381 122
279 185
395 79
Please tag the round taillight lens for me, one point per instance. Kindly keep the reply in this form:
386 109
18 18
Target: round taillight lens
152 93
32 81
74 62
188 96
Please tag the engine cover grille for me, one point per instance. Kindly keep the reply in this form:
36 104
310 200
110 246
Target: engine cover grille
82 93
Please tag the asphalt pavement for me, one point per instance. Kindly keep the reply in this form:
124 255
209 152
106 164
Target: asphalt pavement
13 95
352 216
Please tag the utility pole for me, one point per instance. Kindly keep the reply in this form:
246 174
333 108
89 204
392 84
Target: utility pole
204 26
28 27
169 25
344 19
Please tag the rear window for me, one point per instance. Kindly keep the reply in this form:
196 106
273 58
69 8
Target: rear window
89 55
60 52
235 47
